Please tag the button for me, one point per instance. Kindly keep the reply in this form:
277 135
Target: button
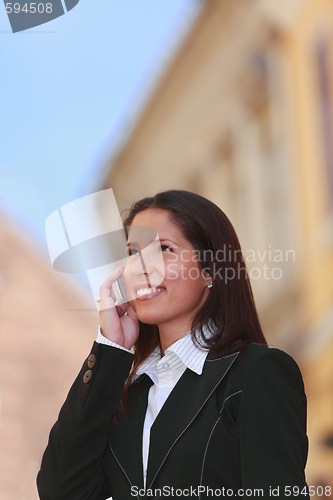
165 366
91 360
87 376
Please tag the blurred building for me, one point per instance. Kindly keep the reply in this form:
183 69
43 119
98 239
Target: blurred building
243 116
46 332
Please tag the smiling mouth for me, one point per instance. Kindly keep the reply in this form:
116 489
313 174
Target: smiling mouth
149 291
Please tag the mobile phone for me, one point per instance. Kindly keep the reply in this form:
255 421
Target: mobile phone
119 290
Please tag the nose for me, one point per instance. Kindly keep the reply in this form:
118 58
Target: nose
148 264
142 266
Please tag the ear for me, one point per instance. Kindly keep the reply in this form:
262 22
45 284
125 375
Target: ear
208 280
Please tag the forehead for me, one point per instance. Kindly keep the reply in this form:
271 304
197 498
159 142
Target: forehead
156 218
160 220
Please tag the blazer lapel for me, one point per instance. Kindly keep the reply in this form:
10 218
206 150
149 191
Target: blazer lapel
184 403
125 437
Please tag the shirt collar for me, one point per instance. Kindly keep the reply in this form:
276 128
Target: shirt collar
192 355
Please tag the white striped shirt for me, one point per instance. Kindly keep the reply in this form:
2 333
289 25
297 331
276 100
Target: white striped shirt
164 372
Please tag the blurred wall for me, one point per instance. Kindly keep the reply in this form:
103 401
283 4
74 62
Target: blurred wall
243 116
46 332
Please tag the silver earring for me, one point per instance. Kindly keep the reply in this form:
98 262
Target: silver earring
210 285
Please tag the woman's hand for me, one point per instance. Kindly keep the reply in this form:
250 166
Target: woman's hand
121 328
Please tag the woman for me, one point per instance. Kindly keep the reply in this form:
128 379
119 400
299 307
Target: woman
203 408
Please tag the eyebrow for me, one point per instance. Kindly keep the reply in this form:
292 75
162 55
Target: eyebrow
168 239
129 243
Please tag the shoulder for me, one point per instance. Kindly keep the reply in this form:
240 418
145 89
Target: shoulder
272 381
260 361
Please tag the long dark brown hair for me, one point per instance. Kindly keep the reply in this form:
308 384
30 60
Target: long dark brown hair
229 311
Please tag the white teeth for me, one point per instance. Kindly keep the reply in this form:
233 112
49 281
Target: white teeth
147 291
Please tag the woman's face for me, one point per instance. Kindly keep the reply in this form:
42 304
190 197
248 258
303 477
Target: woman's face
169 287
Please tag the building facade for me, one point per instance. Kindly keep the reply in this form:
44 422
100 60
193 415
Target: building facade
46 332
243 116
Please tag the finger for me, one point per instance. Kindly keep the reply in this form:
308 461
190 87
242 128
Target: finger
122 309
113 277
106 295
131 313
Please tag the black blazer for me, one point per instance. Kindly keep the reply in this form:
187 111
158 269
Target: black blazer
239 426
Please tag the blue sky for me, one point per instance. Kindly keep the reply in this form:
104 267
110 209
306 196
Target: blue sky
69 89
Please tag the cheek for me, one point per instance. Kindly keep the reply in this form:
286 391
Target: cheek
128 275
193 276
185 274
129 279
175 268
192 273
129 285
159 270
172 272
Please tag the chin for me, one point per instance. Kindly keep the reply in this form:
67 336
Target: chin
148 317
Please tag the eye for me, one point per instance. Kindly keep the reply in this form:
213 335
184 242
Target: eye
166 248
132 251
